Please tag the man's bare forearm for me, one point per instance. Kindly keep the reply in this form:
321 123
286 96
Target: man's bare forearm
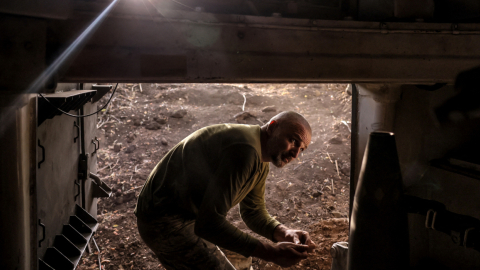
284 234
279 233
263 251
284 254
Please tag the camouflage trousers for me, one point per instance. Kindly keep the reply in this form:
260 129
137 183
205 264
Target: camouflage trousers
173 240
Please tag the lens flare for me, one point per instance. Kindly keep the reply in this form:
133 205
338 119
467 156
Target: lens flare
8 115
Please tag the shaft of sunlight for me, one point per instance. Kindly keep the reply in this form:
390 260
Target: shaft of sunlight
8 114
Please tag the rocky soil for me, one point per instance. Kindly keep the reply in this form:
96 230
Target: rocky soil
144 121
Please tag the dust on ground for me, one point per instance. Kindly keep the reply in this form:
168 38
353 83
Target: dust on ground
144 121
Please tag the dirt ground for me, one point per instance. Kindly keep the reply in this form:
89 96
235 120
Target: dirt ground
144 121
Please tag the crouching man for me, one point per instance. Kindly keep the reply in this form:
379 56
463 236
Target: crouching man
181 211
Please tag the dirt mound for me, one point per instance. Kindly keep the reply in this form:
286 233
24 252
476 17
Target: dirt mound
144 121
324 233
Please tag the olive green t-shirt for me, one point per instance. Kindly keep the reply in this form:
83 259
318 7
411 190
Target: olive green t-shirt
204 176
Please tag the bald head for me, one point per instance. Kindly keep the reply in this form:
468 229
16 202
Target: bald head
286 135
291 118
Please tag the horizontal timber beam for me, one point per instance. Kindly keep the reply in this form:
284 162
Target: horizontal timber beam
200 47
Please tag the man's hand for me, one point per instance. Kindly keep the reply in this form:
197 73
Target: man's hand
284 254
284 234
293 247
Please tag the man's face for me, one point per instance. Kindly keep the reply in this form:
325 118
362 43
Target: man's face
286 142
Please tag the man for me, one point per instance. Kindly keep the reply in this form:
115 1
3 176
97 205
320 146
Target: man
181 211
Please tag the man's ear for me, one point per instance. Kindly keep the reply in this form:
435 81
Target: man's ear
271 127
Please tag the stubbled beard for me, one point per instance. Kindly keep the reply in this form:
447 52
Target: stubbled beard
277 161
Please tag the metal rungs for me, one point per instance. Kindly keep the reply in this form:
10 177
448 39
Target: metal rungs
69 246
101 190
55 259
75 237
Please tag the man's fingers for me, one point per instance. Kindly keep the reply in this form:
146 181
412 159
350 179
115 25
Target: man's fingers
311 246
300 251
310 243
300 248
295 239
305 238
